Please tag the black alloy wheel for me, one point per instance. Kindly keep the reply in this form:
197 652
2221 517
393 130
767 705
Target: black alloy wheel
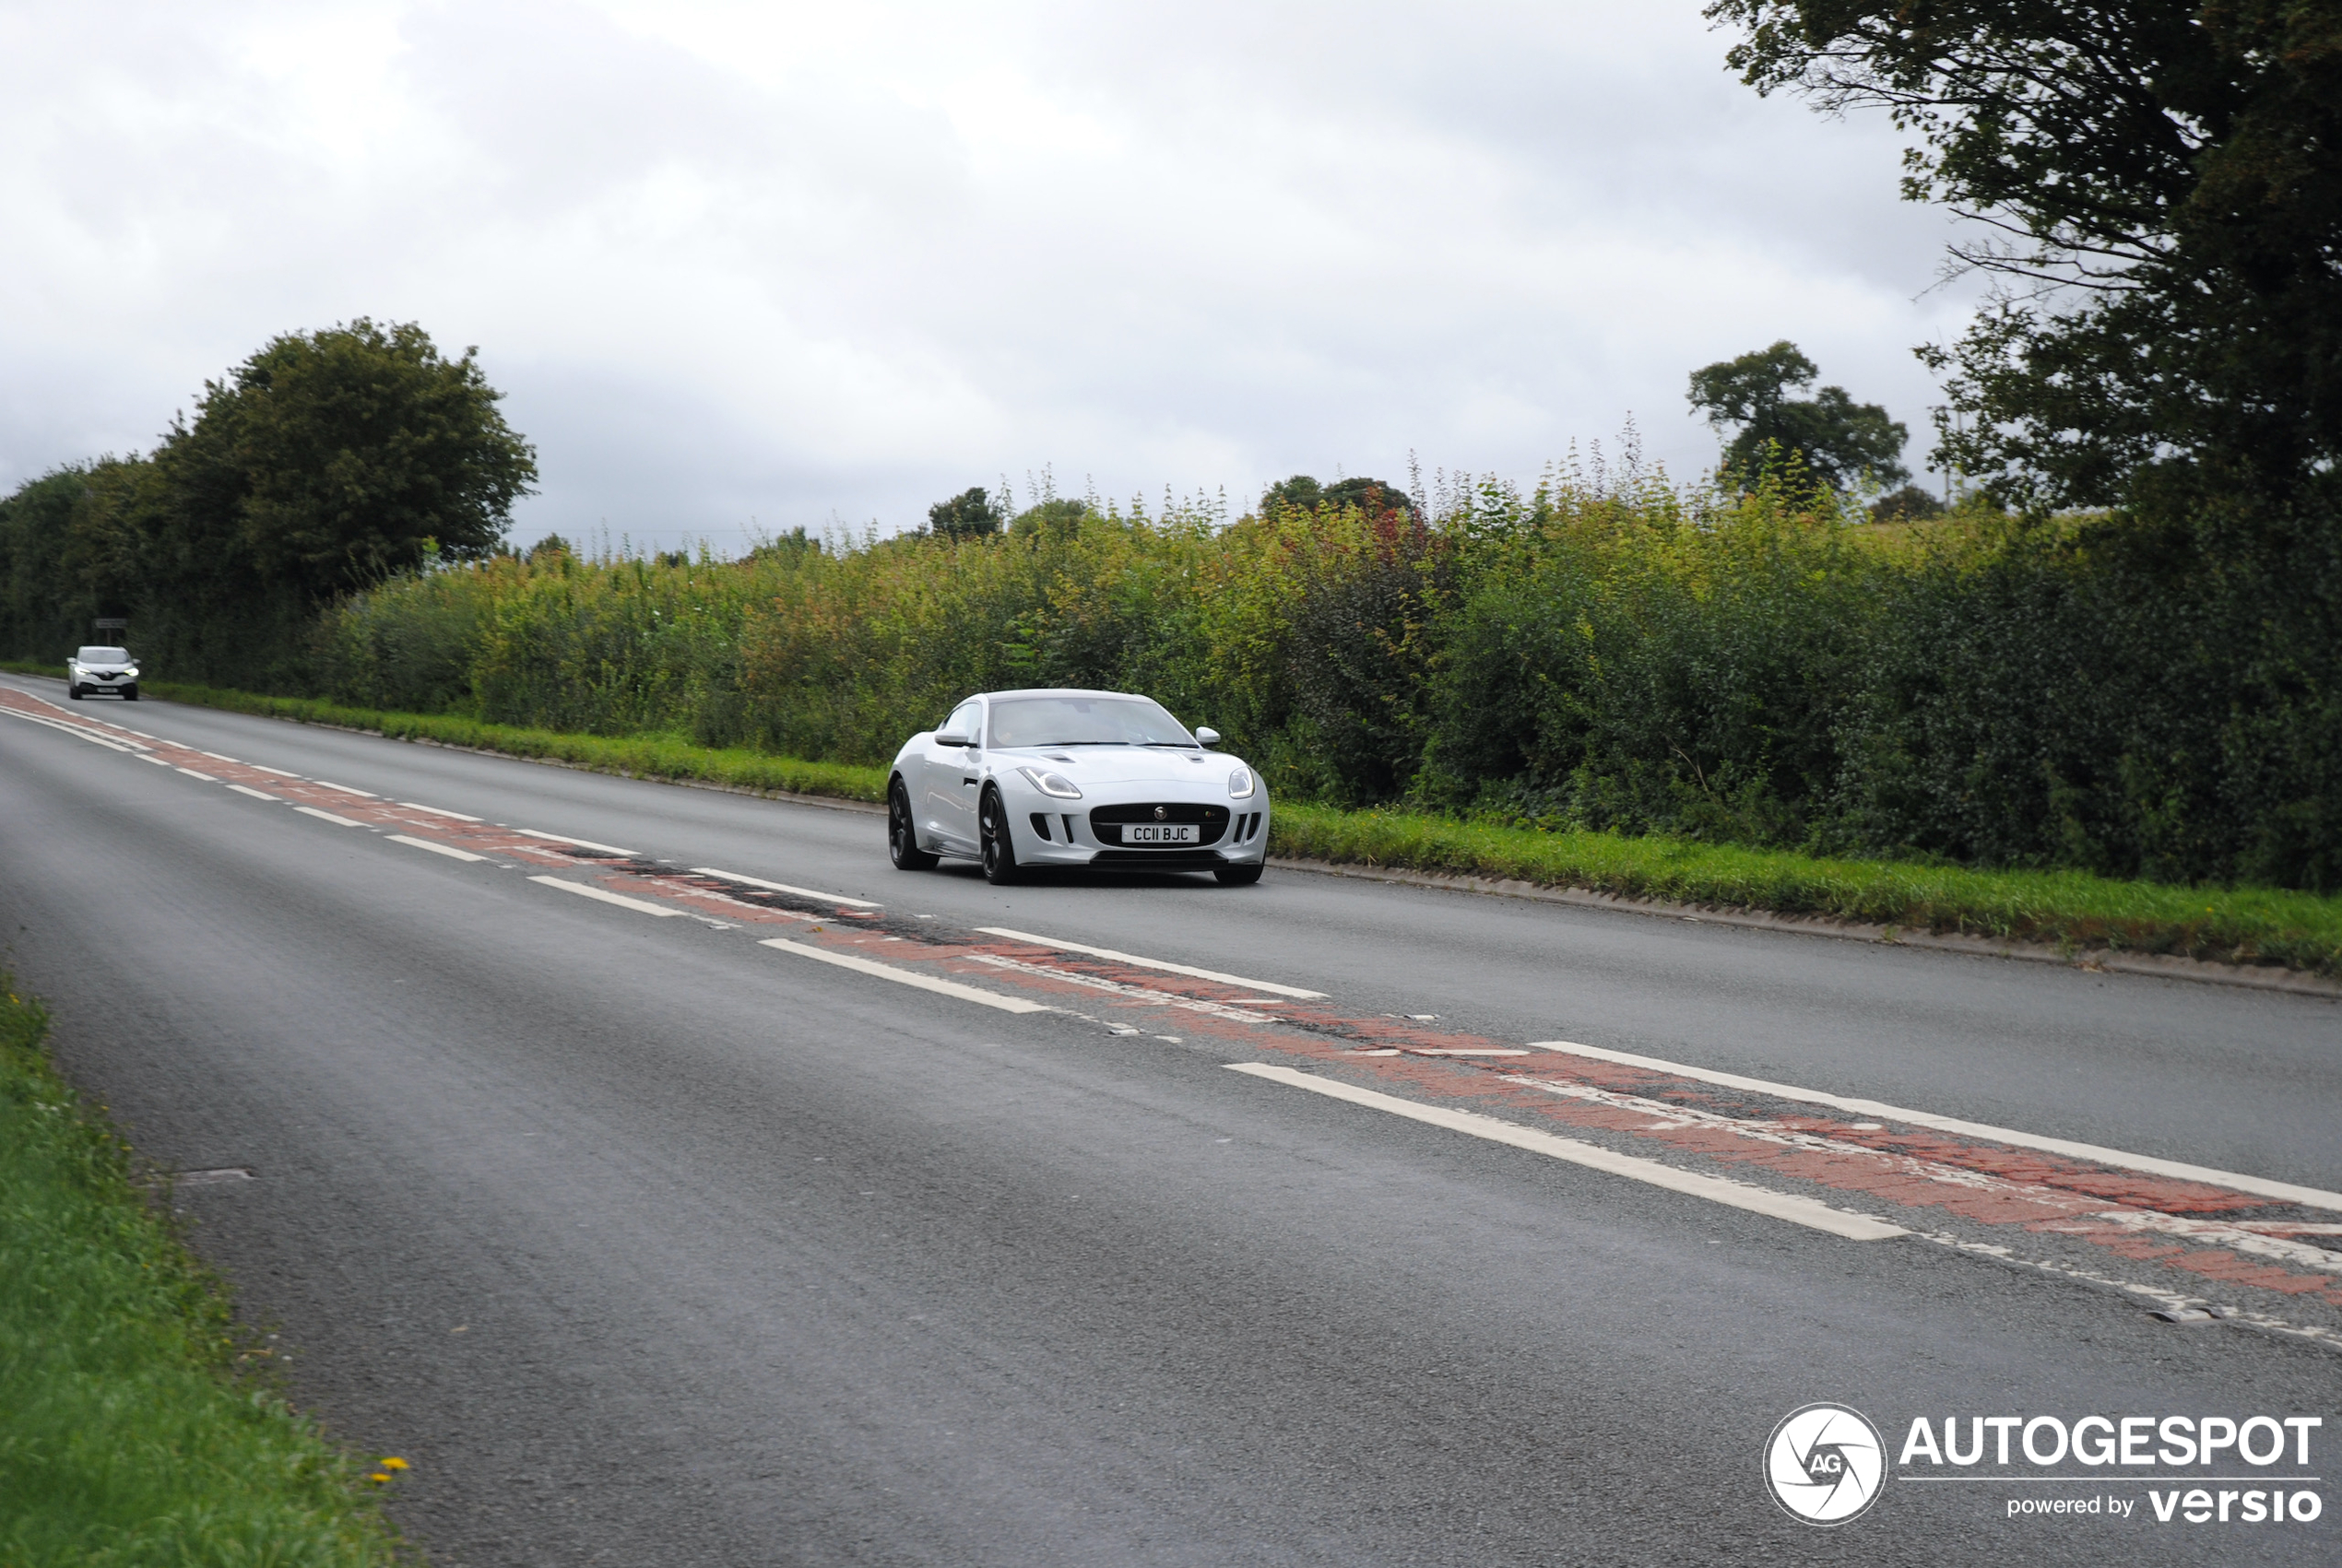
992 830
902 838
1237 875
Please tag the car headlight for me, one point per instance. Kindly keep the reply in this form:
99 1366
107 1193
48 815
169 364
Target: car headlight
1054 785
1240 784
131 673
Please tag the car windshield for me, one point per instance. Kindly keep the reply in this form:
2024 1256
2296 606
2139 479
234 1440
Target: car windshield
1084 721
103 657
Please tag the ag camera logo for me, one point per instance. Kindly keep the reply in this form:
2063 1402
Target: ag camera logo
1824 1464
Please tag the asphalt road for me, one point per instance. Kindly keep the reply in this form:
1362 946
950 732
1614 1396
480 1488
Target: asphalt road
649 1245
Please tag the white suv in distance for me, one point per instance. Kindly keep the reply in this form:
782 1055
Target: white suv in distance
103 669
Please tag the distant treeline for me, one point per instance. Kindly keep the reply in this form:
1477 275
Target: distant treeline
2136 699
2155 695
323 463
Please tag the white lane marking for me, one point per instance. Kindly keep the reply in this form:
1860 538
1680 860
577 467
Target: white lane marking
139 733
216 757
156 760
418 806
639 905
448 850
321 784
1715 1189
1065 947
905 977
1461 1051
2078 1217
206 778
279 771
785 888
564 838
328 817
77 731
247 789
2177 1170
1144 993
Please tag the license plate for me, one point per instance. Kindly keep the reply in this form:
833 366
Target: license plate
1168 832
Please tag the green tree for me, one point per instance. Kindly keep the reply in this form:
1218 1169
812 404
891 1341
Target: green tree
2162 185
1368 495
330 459
1058 518
1841 440
967 515
1908 505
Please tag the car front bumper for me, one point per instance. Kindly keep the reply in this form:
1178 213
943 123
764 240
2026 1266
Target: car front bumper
1049 831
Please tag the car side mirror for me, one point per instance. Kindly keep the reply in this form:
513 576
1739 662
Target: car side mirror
1205 735
952 738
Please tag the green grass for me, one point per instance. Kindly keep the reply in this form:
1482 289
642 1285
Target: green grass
2070 909
132 1428
2067 909
641 756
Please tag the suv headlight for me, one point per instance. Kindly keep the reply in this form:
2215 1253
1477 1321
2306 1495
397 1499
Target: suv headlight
1240 784
1056 785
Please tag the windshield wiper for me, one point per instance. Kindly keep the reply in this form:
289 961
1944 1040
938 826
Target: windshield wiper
1036 744
1180 745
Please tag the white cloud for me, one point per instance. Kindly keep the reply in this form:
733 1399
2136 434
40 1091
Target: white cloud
802 262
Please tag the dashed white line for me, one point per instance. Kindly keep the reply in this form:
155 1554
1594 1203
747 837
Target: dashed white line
156 760
564 838
279 771
1464 1051
345 789
1798 1210
1065 947
450 851
638 905
247 789
218 758
2235 1181
785 888
139 733
77 731
206 778
418 806
328 817
906 977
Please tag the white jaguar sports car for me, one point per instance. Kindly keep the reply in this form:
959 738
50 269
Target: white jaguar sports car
1019 780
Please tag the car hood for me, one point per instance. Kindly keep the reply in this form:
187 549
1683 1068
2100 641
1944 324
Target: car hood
1121 764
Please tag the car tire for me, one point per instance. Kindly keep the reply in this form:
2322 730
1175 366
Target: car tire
1237 875
130 694
901 832
73 692
998 849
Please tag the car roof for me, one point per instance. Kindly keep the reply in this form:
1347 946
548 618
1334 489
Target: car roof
1061 692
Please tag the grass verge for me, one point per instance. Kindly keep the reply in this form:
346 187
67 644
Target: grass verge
132 1428
639 755
2071 909
2067 909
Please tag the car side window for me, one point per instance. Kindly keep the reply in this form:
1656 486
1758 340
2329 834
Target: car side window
966 719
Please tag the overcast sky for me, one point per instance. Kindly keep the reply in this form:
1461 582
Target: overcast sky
816 263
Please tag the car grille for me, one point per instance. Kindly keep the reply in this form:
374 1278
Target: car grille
1107 822
1172 857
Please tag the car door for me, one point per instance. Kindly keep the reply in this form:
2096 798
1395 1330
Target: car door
953 781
